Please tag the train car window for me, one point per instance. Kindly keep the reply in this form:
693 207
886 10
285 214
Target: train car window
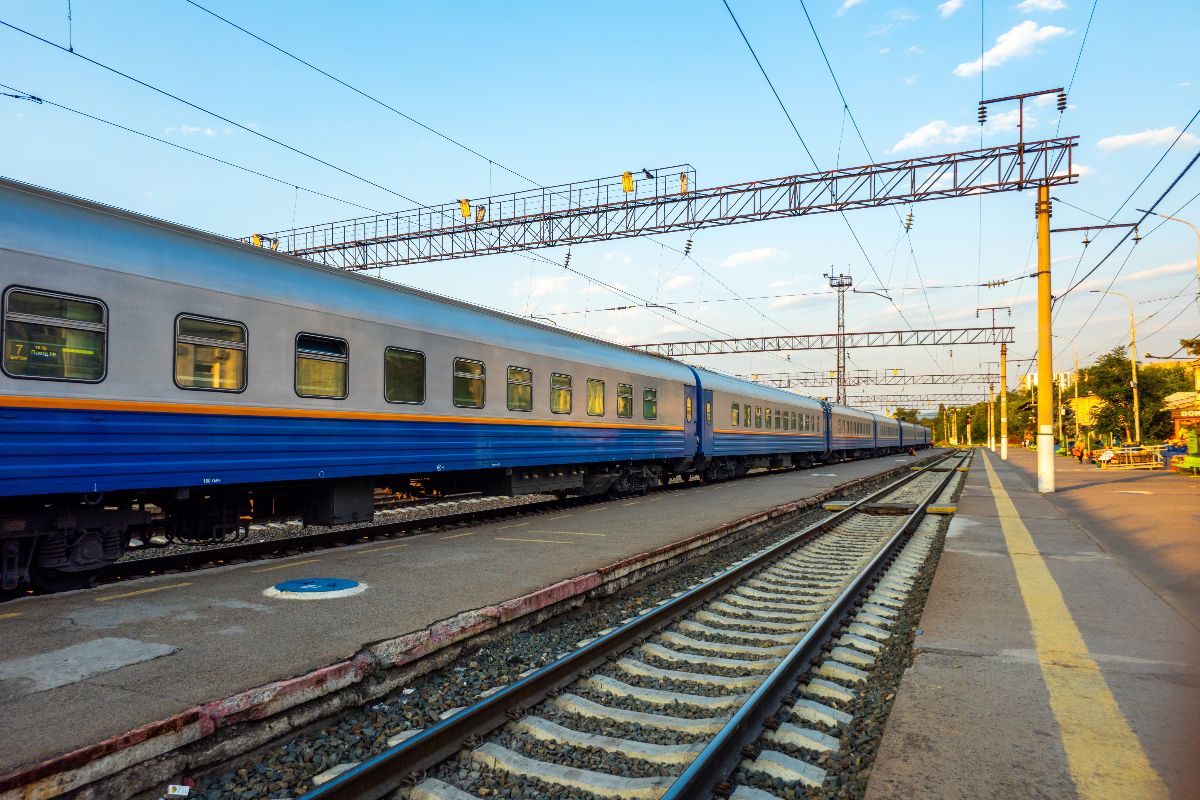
734 416
767 418
54 337
520 389
560 393
650 403
595 397
322 366
210 354
708 412
687 408
746 415
403 376
778 414
758 416
624 400
470 383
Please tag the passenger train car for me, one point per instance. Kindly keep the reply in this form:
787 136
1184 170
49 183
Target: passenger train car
154 375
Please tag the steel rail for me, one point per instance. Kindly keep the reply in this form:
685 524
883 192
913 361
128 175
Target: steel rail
724 752
378 776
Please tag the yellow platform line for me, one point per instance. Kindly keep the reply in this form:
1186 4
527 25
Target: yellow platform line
459 535
1104 755
108 597
380 549
567 533
10 615
285 566
539 541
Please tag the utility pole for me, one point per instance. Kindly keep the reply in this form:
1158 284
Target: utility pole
970 443
1045 422
841 283
1003 391
991 426
1004 402
1077 400
954 428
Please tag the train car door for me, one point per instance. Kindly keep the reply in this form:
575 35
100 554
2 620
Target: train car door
706 429
690 436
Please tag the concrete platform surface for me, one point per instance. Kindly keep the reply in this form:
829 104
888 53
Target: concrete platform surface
83 666
1060 654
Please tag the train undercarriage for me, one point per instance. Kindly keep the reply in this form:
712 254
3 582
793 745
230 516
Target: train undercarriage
64 542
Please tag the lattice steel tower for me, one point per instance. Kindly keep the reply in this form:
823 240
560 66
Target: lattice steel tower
841 283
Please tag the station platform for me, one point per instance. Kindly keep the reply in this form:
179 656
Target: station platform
168 659
1058 654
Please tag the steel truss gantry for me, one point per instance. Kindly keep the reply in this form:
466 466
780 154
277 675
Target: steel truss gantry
794 380
666 200
830 341
915 400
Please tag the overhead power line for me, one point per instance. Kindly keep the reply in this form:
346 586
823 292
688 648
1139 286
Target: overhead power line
211 113
22 95
804 144
360 92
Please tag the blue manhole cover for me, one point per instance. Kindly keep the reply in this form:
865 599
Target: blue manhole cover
316 588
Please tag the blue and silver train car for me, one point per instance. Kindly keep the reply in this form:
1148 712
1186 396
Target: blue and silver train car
148 363
851 432
755 425
887 434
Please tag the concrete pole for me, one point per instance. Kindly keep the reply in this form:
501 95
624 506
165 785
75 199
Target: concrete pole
1045 389
1004 402
991 417
1075 380
954 429
1137 414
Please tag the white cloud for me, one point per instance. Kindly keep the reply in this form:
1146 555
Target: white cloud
1009 121
674 327
541 286
1041 5
1078 169
618 257
948 8
847 5
751 256
1020 41
188 130
883 51
910 81
678 282
899 16
915 50
937 132
782 284
784 302
1158 272
1151 137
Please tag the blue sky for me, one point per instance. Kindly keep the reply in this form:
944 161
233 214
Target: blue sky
561 92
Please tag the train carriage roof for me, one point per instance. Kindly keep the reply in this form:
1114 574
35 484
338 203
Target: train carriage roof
32 221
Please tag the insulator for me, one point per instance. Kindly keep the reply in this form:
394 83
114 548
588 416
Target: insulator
908 223
1137 237
567 260
1062 101
982 113
687 246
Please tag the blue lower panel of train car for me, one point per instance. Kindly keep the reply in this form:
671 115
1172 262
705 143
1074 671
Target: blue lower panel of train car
49 451
853 443
749 444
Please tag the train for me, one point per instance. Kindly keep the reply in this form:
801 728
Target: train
159 378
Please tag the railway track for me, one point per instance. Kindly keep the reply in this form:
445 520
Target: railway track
741 675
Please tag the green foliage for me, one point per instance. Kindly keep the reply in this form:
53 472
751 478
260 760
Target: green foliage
1110 379
906 414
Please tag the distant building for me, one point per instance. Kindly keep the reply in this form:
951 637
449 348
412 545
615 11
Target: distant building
1185 412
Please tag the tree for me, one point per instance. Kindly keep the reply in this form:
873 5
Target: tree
1109 378
907 414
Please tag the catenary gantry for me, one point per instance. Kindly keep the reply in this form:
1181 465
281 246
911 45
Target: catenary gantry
665 200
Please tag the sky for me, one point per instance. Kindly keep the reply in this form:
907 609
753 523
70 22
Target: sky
548 93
